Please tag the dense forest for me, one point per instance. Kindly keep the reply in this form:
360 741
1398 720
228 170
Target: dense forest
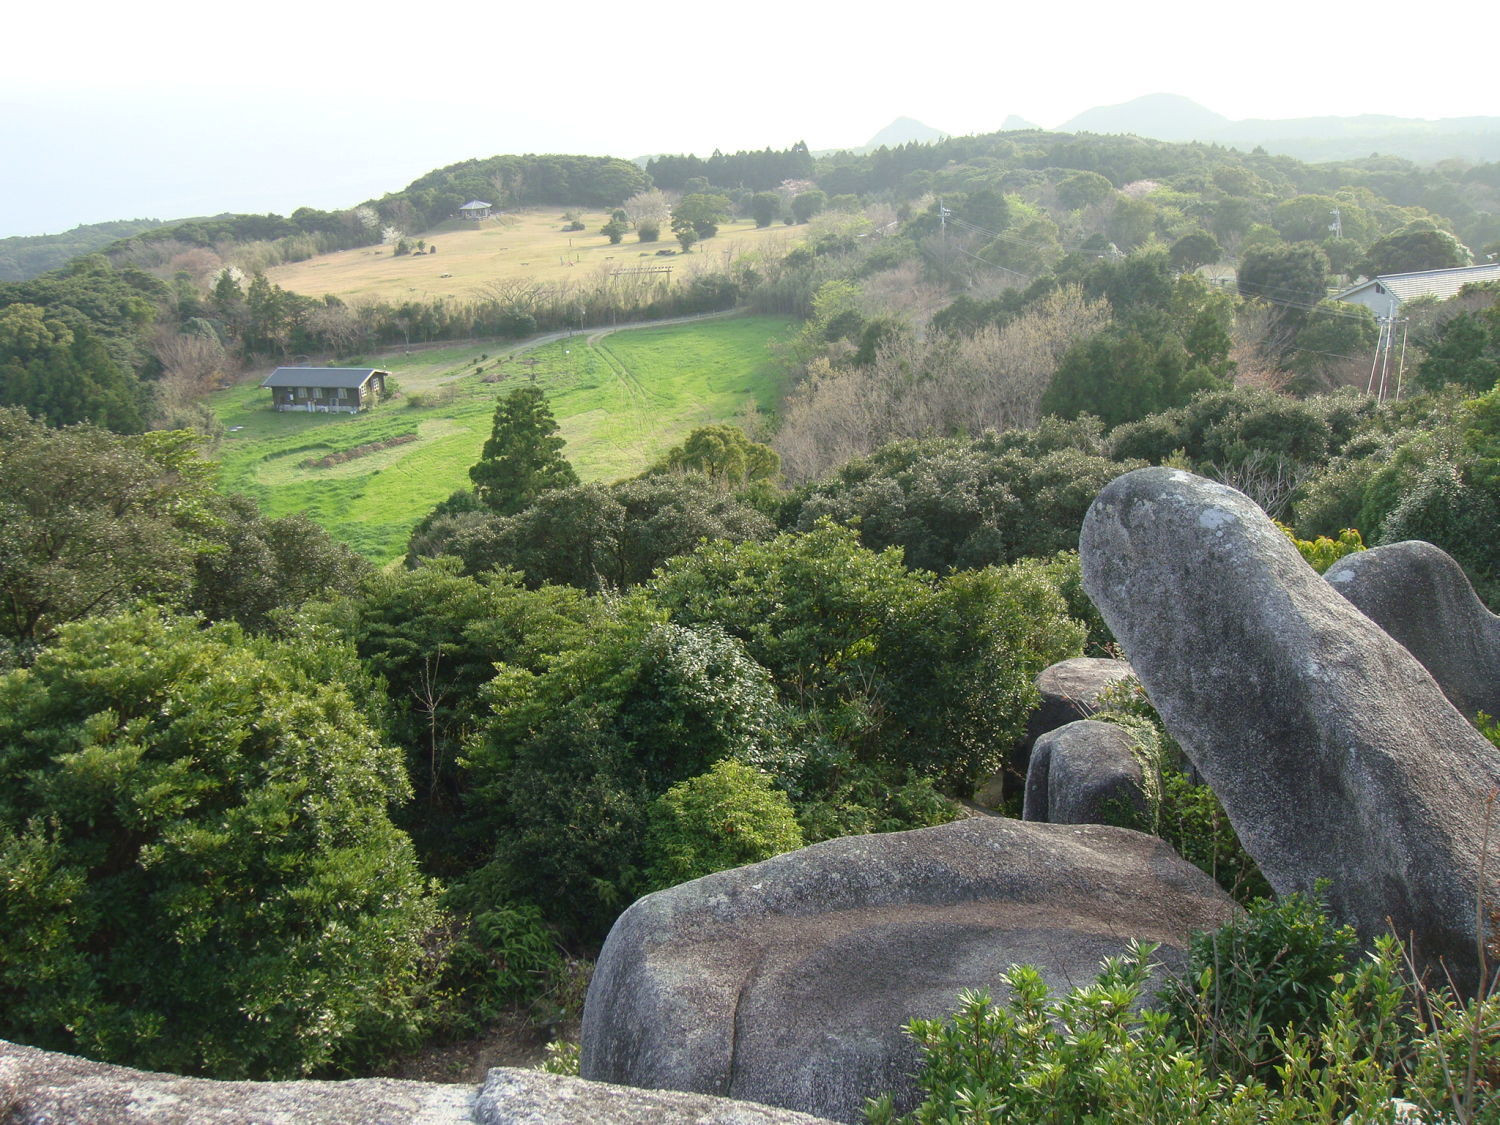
270 811
26 256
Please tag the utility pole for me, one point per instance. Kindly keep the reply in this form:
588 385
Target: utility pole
1337 226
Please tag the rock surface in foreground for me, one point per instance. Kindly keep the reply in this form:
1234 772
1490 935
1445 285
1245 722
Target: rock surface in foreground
1332 749
1423 599
787 982
44 1088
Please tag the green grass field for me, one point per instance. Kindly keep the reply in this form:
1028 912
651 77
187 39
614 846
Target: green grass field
621 400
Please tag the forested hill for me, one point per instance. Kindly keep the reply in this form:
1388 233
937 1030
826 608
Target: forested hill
131 336
1215 187
26 256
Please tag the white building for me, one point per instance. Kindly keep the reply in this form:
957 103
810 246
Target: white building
1383 295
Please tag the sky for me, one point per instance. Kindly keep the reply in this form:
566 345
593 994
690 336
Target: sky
166 109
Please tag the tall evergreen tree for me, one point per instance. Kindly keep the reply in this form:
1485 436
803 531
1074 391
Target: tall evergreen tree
523 456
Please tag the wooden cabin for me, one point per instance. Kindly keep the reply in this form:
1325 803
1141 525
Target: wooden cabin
326 390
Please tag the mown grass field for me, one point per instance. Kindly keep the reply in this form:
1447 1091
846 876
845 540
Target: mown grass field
621 400
528 244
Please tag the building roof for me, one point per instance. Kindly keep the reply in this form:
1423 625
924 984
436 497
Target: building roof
320 376
1441 284
472 204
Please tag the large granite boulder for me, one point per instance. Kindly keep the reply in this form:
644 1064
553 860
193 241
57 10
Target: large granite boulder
1334 752
1084 773
44 1088
1070 690
787 982
1422 598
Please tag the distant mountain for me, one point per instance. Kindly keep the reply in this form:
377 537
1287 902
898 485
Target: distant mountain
1170 117
1014 124
902 131
27 256
1167 117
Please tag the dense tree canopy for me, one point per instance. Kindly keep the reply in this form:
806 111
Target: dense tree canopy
1465 349
65 375
595 536
90 521
200 872
1411 251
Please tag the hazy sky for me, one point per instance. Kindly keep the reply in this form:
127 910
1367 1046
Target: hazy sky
167 108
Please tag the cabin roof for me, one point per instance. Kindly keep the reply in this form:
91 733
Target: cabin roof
320 376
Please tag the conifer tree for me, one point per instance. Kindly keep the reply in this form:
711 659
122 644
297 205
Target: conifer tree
523 456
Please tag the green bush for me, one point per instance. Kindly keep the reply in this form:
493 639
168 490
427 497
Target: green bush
728 817
843 798
1268 1026
1190 818
1272 970
200 873
502 958
885 667
1322 552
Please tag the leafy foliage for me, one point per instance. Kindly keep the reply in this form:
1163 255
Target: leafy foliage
728 817
253 567
433 637
596 537
65 374
1183 812
90 521
723 454
1465 349
564 772
1122 375
1258 976
201 874
1275 1021
970 502
503 957
886 666
1410 251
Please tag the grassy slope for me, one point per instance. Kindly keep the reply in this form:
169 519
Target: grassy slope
621 400
527 245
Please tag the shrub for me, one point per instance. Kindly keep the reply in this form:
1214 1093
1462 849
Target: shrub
886 667
1322 552
1275 969
1352 1042
503 958
847 799
1049 1061
728 817
1182 812
200 873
